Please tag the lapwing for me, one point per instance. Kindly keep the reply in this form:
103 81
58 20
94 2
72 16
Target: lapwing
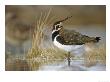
69 40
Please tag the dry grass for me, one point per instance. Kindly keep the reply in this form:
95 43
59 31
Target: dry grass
46 56
95 55
14 63
38 56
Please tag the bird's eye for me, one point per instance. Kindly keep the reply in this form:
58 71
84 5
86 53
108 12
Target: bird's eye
57 27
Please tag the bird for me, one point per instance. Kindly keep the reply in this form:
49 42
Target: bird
69 40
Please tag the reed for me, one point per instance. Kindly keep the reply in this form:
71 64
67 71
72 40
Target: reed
37 55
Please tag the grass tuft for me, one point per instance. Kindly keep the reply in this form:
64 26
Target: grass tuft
95 55
37 55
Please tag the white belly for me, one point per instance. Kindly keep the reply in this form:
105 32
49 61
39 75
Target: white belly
66 47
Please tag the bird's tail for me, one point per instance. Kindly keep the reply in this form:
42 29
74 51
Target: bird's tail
97 39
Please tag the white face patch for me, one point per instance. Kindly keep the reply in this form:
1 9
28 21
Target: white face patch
57 29
59 25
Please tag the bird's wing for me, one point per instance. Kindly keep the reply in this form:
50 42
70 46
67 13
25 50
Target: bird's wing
75 38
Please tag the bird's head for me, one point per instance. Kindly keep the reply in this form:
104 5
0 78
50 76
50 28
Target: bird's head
59 24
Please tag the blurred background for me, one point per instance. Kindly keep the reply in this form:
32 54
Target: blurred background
20 23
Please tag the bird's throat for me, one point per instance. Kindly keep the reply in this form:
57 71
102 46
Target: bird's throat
54 34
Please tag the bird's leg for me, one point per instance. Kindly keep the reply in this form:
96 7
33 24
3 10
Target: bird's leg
68 58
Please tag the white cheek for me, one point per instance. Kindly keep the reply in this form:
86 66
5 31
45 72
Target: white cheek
59 28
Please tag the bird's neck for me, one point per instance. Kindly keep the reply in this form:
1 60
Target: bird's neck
54 34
